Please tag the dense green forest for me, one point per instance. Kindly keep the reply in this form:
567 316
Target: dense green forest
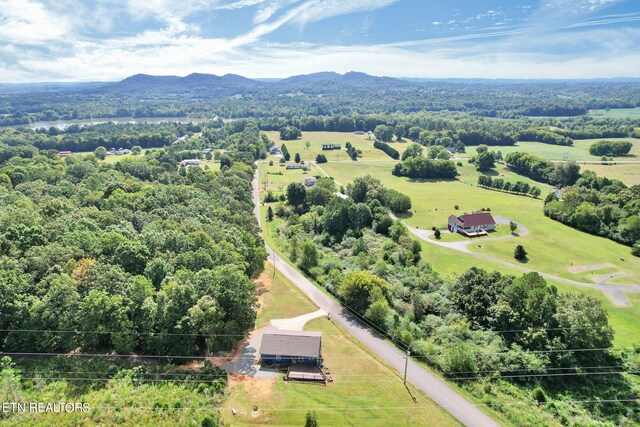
133 257
517 331
601 206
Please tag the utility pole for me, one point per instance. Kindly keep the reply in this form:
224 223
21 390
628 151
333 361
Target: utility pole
406 363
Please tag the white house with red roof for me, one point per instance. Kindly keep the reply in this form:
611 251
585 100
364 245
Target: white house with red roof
472 224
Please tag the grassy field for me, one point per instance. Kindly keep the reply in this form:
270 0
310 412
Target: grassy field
553 247
362 382
316 139
579 151
617 113
627 173
429 196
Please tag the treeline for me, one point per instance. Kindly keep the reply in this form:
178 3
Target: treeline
109 135
600 206
389 150
518 187
138 256
610 148
504 100
542 170
417 167
544 135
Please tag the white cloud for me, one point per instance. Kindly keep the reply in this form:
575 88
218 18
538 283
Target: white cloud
239 4
29 22
175 45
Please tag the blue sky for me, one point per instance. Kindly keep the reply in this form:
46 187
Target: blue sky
96 40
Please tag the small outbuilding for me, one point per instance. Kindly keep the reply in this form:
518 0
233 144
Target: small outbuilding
331 147
310 181
472 224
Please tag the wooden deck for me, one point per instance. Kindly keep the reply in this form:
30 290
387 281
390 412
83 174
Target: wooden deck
307 373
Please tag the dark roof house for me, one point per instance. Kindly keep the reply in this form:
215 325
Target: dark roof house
282 347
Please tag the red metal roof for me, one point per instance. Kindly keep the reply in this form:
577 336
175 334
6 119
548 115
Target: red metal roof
476 219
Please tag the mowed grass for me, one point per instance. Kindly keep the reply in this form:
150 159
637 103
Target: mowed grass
553 248
617 113
579 151
316 139
449 262
627 173
362 382
279 299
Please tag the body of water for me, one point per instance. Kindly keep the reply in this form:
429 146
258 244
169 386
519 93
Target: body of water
61 124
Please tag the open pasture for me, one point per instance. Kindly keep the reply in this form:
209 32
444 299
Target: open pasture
316 139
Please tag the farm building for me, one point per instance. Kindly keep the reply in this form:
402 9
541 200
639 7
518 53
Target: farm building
280 347
122 151
190 162
331 147
473 224
451 150
275 151
310 181
358 132
64 153
298 166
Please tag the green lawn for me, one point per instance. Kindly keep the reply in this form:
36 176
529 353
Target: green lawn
617 113
553 252
362 382
553 247
627 173
316 139
579 151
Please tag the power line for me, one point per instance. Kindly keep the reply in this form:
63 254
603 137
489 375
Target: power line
167 380
369 408
117 355
529 369
564 374
120 332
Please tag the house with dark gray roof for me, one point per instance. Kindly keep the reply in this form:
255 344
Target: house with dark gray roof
280 347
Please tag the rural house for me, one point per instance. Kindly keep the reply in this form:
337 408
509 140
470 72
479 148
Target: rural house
298 166
64 153
473 224
331 147
274 151
190 162
280 347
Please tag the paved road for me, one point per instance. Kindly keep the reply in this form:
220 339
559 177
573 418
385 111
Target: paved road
466 412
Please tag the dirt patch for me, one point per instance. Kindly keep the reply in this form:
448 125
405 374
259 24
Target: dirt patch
583 268
256 388
194 366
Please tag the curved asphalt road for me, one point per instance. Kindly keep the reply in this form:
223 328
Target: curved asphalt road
466 412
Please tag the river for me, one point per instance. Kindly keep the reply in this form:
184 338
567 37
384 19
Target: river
61 124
